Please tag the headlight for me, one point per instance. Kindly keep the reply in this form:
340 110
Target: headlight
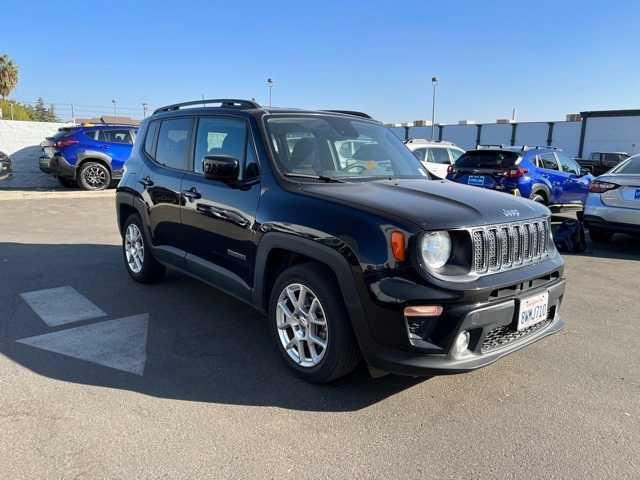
436 249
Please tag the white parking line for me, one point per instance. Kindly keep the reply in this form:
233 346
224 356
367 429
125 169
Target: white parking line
119 344
59 306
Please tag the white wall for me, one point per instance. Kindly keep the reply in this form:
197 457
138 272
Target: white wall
566 135
496 134
16 135
532 133
612 134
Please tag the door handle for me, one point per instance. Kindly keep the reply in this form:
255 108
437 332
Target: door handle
192 194
146 181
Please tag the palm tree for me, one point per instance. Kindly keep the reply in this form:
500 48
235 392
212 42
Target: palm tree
8 76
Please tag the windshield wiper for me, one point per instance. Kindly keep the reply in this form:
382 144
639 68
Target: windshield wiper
324 178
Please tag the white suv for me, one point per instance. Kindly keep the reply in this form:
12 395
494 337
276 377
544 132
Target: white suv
436 156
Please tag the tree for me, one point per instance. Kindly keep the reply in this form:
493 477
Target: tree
8 76
40 111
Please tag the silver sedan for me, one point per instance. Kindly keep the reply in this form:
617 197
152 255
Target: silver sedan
613 204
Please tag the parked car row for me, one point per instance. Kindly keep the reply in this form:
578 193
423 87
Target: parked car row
599 163
5 166
90 157
327 223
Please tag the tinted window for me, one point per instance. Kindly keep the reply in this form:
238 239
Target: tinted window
439 155
548 161
150 140
568 164
220 136
90 134
173 142
487 159
116 136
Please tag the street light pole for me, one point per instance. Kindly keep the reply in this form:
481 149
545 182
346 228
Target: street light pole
115 112
434 82
270 84
144 109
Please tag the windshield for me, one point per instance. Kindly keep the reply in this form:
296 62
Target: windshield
340 148
630 167
502 159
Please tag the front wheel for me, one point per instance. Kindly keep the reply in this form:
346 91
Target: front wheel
94 176
310 324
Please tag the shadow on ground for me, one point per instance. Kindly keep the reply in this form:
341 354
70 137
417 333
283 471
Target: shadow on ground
202 345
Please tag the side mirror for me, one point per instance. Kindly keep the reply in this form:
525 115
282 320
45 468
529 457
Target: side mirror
584 171
220 167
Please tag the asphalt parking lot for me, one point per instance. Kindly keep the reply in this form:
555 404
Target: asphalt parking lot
105 378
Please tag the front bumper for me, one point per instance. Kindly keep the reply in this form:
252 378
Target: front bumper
400 345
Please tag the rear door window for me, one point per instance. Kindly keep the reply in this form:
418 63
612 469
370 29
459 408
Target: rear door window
439 156
548 161
501 159
116 136
420 153
455 154
174 142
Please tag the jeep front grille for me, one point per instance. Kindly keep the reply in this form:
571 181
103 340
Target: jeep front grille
497 248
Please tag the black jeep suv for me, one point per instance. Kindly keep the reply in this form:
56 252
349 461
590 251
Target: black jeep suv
326 222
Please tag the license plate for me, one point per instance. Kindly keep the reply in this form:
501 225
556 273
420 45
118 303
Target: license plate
475 180
533 310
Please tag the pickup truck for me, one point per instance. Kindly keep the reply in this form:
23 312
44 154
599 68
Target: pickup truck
601 162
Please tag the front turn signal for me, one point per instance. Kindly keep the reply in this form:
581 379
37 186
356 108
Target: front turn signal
398 246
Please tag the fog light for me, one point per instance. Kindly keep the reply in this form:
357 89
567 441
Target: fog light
461 343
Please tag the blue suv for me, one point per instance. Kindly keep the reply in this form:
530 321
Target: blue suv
90 156
543 174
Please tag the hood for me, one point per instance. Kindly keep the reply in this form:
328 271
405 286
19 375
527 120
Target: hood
431 204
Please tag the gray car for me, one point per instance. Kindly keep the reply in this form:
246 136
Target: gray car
613 204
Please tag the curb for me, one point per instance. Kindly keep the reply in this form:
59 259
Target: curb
43 195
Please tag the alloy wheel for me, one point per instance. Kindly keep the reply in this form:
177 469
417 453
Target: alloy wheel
134 248
302 325
96 177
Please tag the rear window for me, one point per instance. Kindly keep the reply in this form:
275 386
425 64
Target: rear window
488 159
632 167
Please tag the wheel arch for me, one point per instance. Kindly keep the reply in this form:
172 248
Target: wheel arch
93 156
277 251
541 188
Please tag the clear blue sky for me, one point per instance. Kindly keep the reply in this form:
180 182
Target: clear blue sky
546 58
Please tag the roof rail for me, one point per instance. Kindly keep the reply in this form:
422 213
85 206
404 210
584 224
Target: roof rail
349 112
490 145
224 103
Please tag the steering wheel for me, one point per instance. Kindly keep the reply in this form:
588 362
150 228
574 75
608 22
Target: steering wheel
353 166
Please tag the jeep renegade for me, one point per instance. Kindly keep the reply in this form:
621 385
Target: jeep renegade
327 223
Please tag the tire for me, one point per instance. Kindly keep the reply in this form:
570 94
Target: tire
599 235
340 356
539 198
94 176
67 182
141 264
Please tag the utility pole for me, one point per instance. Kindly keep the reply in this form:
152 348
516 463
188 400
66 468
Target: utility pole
115 111
144 109
73 117
270 84
434 82
11 109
